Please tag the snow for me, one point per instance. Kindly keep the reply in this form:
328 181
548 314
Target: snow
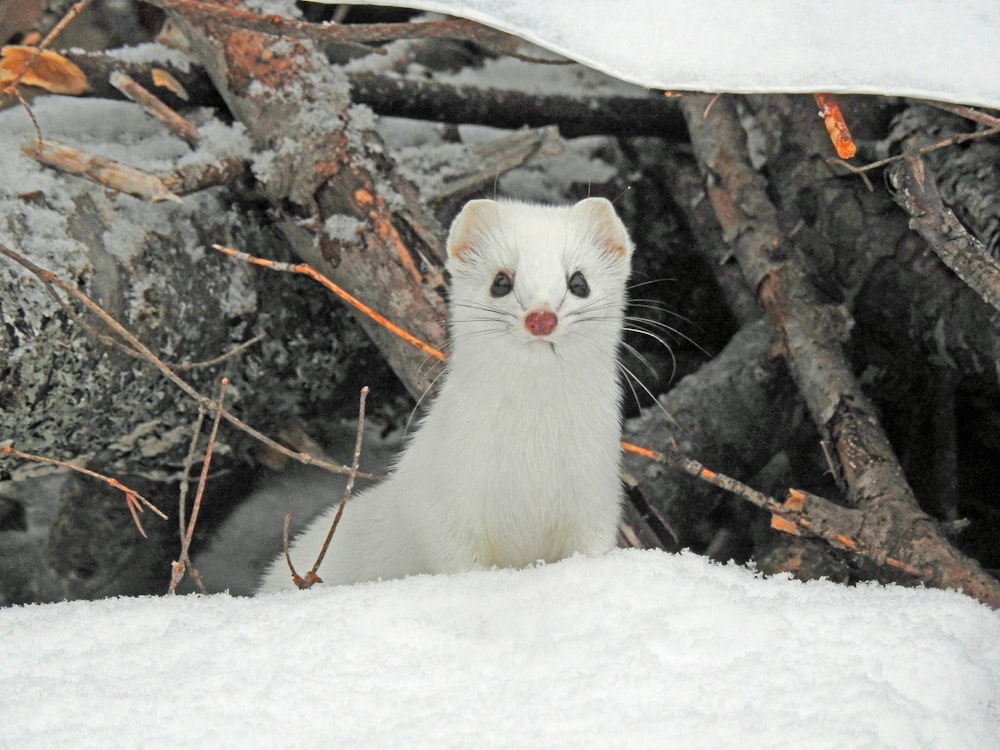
935 49
153 52
633 649
116 130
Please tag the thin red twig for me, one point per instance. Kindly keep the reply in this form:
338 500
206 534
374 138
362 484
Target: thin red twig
312 576
133 499
307 270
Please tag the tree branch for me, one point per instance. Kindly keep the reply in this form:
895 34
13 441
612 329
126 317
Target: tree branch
343 208
812 334
916 193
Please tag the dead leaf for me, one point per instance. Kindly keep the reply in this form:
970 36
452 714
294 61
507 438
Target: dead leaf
49 70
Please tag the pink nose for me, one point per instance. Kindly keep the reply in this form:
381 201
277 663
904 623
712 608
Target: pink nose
541 322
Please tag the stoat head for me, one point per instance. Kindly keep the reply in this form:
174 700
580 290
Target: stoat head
538 278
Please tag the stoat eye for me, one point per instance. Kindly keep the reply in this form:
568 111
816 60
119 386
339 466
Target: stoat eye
502 285
578 285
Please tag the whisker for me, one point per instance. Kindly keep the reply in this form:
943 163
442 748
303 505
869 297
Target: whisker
465 321
663 310
593 314
486 332
484 308
649 282
628 378
658 306
631 375
595 307
676 333
416 406
428 362
638 355
664 344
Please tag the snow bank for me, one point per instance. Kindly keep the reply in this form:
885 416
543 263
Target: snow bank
933 49
636 649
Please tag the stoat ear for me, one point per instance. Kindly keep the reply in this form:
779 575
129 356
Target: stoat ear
467 228
606 229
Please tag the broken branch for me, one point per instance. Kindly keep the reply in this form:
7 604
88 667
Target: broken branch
802 513
836 125
106 172
180 126
916 192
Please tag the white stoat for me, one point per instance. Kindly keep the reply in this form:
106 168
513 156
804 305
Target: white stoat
518 459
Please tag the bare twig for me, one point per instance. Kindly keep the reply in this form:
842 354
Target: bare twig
186 474
489 160
144 353
184 561
133 499
16 93
307 270
312 577
348 489
953 140
180 126
136 182
962 111
185 366
296 578
819 517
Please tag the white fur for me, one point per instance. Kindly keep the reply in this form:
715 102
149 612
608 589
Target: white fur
518 459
